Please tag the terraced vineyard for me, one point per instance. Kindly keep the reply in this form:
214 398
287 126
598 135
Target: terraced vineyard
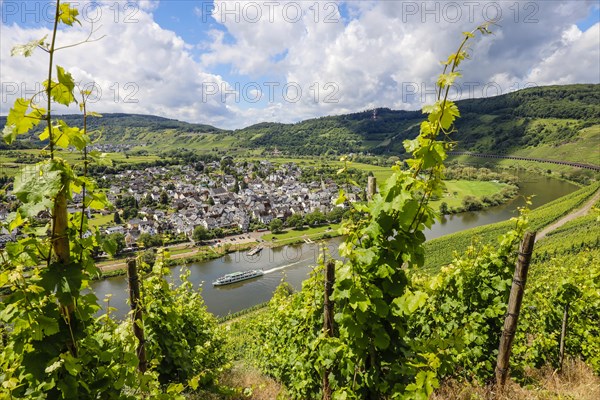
440 251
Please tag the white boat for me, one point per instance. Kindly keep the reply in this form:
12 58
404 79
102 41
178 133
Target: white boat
237 277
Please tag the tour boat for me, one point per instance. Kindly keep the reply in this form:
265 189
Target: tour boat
238 276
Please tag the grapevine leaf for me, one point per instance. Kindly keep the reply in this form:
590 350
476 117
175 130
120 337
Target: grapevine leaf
27 49
48 325
16 222
71 364
71 136
65 78
45 134
448 79
109 245
450 114
382 339
68 14
98 201
36 185
18 123
62 91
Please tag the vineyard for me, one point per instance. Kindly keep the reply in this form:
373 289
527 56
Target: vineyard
439 251
574 236
373 325
454 321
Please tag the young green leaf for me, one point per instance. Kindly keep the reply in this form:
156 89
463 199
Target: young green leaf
27 49
68 15
18 123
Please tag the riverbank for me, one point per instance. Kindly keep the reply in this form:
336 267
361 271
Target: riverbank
230 245
185 254
439 251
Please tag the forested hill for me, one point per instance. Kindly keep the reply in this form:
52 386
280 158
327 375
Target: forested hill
133 129
530 118
560 121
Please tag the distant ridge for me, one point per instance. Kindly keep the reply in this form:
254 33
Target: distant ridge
561 121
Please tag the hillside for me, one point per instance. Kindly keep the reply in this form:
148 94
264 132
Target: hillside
561 120
134 129
555 122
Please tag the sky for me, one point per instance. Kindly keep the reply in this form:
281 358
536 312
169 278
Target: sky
234 63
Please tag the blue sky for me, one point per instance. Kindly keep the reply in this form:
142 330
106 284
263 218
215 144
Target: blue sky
222 64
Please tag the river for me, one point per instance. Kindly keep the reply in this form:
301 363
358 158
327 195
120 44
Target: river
294 262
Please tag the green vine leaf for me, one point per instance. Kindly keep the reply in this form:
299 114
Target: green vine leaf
448 79
19 122
37 185
68 15
62 91
27 49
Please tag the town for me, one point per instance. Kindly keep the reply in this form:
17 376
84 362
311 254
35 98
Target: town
168 204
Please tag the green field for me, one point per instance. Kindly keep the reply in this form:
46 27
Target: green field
98 220
11 156
294 234
464 188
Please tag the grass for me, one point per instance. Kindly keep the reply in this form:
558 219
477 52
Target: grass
98 220
294 234
575 381
583 149
464 188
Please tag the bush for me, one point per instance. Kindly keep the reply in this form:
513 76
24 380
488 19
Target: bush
180 334
471 203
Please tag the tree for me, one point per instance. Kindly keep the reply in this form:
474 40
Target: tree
444 208
471 203
129 206
149 240
295 221
164 198
201 234
276 225
147 201
149 256
119 240
117 218
218 232
336 214
315 218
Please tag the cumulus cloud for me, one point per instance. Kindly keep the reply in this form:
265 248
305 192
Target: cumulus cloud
137 67
387 53
307 59
576 60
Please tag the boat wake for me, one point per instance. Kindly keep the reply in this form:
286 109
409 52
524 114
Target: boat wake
269 271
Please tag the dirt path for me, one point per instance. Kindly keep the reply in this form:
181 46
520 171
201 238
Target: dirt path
569 217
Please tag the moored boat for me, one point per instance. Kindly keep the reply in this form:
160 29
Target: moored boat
238 277
254 251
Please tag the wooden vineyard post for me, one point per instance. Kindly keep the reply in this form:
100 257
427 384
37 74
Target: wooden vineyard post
134 299
371 187
328 319
514 306
563 334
